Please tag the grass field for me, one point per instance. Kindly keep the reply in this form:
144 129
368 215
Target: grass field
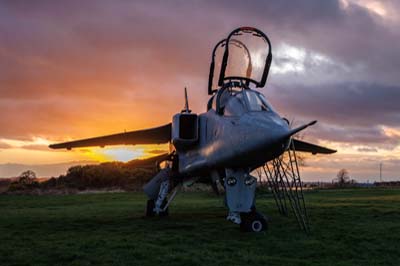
349 227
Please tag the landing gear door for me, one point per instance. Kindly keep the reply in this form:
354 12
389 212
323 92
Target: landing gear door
240 190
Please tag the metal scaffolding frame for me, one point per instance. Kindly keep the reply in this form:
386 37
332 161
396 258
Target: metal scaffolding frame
284 180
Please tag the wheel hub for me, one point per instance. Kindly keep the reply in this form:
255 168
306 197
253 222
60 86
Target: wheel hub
256 226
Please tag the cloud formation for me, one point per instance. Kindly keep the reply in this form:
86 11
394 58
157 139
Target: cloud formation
4 145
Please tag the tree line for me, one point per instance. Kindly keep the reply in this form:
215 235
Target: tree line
115 175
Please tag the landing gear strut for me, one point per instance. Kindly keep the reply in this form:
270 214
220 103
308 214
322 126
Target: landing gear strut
150 209
240 189
157 190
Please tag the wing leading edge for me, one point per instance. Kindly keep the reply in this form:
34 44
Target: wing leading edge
155 135
303 146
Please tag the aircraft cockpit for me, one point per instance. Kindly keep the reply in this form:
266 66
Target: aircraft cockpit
235 102
239 64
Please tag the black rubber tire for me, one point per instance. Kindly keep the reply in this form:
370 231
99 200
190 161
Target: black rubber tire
253 222
150 208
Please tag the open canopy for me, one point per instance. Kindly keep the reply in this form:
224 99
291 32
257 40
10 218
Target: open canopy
245 56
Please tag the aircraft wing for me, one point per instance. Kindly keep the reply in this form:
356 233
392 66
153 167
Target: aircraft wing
303 146
155 135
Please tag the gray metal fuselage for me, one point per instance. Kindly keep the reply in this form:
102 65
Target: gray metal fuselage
246 140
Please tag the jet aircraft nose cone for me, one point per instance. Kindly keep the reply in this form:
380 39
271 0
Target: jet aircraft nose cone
268 135
268 128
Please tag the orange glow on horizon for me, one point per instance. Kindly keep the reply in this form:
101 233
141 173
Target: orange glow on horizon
124 153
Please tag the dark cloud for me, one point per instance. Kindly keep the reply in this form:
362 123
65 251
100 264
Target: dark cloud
369 139
353 35
367 149
354 113
344 104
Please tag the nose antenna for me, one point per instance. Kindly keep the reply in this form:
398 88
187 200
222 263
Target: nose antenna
186 110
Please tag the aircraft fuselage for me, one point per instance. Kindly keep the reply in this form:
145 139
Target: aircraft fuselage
246 141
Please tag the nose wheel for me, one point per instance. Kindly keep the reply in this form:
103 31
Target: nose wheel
253 222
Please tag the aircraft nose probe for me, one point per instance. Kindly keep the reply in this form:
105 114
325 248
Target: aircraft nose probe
298 129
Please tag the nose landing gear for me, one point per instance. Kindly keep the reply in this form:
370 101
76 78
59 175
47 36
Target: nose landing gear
240 189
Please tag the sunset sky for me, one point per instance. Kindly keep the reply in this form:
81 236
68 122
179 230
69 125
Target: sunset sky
77 69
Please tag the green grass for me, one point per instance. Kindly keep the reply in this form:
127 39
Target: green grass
349 227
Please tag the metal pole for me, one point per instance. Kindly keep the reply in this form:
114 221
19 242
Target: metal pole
380 172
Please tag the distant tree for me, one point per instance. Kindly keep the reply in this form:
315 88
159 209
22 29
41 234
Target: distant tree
343 178
27 178
26 181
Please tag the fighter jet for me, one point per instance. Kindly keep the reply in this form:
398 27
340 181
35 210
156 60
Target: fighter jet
239 133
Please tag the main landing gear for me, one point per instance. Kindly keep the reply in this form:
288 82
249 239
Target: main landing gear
161 191
240 189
